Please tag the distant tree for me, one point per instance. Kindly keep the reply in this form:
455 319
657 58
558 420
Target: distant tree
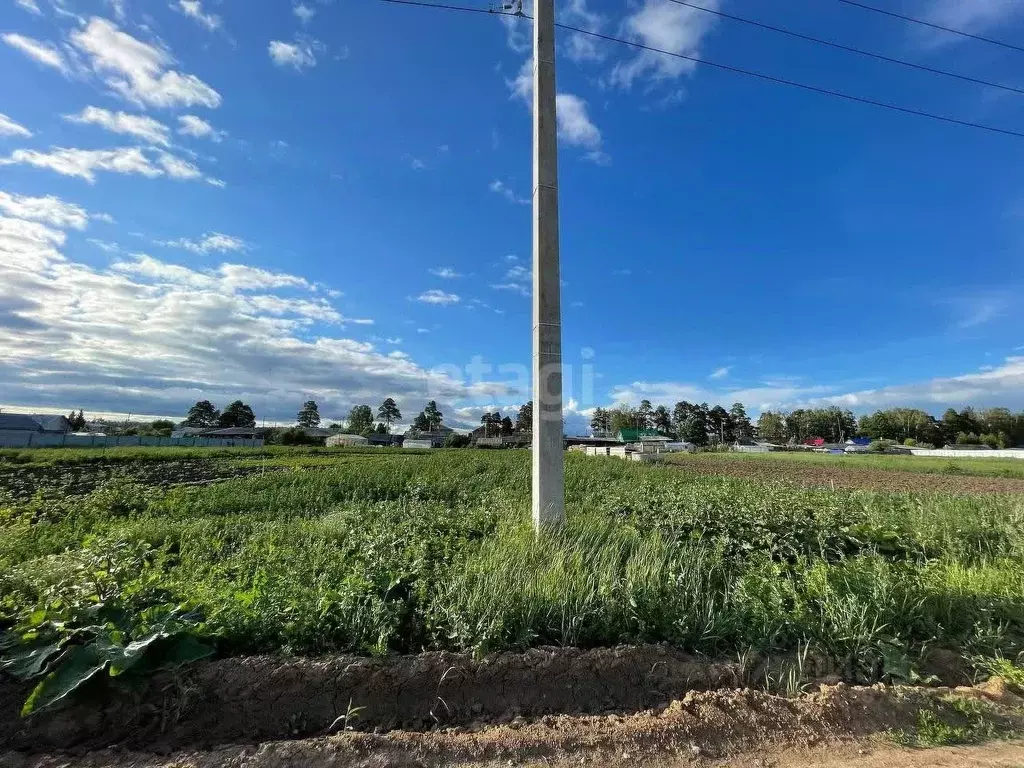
644 415
203 414
336 426
455 440
297 436
695 428
162 427
360 419
434 416
601 421
771 426
968 438
524 419
622 417
661 419
421 423
238 414
381 429
741 426
388 413
719 425
491 423
77 421
308 415
680 413
506 426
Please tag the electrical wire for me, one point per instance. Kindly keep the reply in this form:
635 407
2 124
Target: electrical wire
933 25
726 68
848 48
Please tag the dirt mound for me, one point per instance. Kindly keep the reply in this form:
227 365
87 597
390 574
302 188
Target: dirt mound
264 698
848 476
831 727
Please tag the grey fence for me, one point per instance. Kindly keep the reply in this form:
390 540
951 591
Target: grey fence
20 439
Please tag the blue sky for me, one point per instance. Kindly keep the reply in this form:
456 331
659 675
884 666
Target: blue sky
330 200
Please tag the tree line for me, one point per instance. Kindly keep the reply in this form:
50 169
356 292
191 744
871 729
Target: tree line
705 425
697 424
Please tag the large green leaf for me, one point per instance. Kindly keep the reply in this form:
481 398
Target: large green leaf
77 666
131 654
31 661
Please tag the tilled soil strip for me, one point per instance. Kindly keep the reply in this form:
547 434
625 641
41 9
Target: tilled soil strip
702 728
249 700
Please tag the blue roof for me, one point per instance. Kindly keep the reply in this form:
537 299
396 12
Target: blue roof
27 422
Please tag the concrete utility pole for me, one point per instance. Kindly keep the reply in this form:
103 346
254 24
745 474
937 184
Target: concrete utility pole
548 459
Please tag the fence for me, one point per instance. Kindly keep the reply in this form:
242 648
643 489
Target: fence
1005 453
21 439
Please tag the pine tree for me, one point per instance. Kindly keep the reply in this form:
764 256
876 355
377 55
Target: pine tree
309 415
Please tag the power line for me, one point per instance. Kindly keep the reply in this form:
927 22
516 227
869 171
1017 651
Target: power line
849 49
728 68
933 25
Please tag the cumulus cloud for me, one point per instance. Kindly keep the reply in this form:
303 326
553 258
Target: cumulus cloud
10 128
140 126
669 27
190 125
575 127
138 71
45 53
85 163
304 13
298 55
154 337
49 210
435 296
194 9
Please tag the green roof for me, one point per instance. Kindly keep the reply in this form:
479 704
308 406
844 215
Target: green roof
632 435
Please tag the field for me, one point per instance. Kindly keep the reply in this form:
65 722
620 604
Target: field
870 472
376 553
780 579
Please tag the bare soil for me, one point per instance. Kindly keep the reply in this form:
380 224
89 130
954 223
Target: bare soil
854 477
834 726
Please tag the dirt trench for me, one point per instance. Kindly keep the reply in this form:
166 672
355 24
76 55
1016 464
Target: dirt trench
834 726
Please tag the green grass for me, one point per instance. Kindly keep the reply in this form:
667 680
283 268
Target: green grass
895 463
954 721
383 552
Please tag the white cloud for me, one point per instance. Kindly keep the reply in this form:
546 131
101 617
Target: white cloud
435 296
669 27
84 163
582 48
213 242
395 340
522 290
194 9
140 126
43 52
190 125
304 13
422 330
10 128
29 5
575 127
501 188
154 337
298 55
138 71
50 210
445 272
720 373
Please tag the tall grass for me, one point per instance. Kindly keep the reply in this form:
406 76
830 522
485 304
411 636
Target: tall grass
377 554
